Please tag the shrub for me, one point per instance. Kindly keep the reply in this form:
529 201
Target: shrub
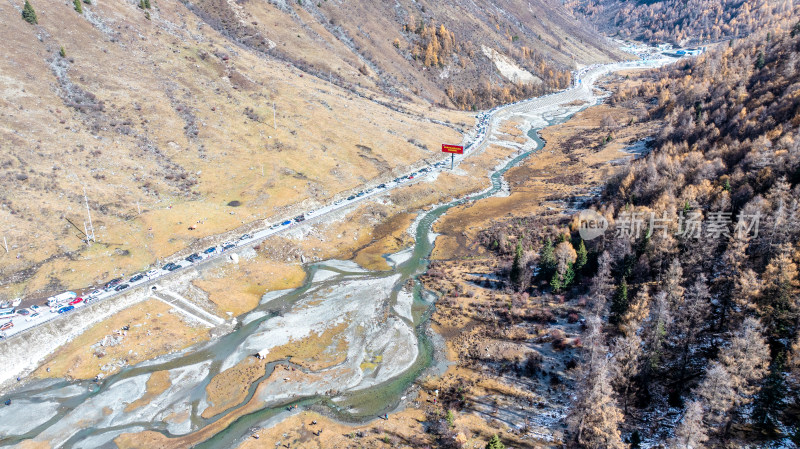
29 14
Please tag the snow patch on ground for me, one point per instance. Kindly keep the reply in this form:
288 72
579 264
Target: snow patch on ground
22 416
403 306
401 256
357 301
100 440
61 393
269 296
323 275
344 265
253 317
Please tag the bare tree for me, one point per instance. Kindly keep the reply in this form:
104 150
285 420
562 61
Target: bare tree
627 350
602 284
691 433
595 417
746 359
691 317
716 392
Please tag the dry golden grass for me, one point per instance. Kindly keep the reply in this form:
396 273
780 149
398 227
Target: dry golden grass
238 288
157 383
554 172
153 330
315 352
312 155
229 387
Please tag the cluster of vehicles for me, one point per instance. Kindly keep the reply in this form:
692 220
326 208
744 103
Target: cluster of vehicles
69 301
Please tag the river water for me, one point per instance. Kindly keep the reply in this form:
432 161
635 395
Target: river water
75 414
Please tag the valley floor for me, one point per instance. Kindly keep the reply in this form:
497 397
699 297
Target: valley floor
490 387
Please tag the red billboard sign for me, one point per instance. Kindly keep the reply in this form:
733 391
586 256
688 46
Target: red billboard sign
453 149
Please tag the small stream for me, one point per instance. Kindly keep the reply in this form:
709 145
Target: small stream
192 369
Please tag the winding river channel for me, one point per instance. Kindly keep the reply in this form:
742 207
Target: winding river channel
389 345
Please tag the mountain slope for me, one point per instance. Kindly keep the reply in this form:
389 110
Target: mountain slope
683 22
164 122
165 112
409 48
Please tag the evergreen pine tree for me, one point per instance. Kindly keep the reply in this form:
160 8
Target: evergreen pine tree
583 257
517 269
147 4
495 443
62 52
555 283
770 400
547 258
77 5
619 304
29 14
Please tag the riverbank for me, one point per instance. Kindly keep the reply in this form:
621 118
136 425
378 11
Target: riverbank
374 365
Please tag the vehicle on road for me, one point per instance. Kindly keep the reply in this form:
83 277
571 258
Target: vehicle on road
121 287
136 278
151 273
33 317
56 300
6 326
228 246
23 312
245 237
211 250
351 198
76 301
381 186
35 308
192 258
300 218
171 266
286 223
113 283
66 309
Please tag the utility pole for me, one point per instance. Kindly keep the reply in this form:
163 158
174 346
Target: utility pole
138 208
89 214
5 243
274 119
86 233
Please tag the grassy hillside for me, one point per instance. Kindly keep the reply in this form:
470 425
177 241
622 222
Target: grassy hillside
167 112
164 121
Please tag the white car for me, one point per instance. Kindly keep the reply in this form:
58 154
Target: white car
33 317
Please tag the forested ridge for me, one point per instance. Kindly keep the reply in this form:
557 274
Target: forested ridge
683 22
690 297
703 322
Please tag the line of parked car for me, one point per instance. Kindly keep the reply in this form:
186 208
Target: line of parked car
68 301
